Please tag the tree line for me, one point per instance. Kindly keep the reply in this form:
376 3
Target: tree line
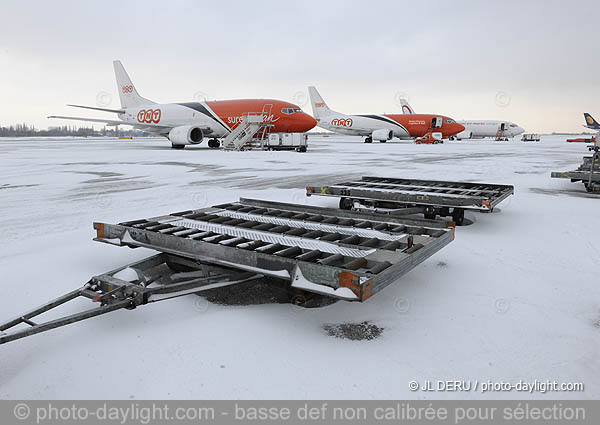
25 130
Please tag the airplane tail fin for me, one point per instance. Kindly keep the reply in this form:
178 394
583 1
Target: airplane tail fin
591 122
128 94
319 107
406 108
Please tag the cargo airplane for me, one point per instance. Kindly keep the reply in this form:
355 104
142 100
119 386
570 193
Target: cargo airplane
478 129
189 123
382 127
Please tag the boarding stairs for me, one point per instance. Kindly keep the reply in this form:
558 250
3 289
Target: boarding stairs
252 130
500 135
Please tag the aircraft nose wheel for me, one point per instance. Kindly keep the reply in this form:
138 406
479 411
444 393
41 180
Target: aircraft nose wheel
368 140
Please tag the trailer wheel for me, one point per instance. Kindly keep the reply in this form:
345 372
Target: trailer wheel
430 215
346 203
303 149
458 215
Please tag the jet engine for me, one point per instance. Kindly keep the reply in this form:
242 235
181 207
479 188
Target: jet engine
466 134
185 135
382 134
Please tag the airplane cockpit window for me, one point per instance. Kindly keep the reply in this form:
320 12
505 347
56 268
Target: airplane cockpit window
290 110
450 121
513 125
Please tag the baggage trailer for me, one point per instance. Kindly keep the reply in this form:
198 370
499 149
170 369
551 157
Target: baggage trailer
309 250
588 172
286 141
397 197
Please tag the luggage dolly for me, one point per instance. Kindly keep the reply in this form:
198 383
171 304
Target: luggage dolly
310 251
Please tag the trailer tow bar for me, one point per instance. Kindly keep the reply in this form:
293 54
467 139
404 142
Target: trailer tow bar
115 294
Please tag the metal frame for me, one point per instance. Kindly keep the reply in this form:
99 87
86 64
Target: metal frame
316 249
155 282
409 196
588 172
340 254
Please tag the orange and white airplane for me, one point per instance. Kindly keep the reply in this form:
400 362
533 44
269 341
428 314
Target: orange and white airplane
191 122
382 127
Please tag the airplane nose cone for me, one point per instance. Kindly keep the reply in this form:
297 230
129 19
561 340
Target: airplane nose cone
308 123
460 128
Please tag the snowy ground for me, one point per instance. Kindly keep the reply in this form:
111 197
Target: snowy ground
514 297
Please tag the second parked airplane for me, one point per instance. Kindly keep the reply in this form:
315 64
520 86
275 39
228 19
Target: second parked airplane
478 129
190 122
382 127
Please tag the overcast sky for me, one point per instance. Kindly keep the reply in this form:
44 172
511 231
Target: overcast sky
532 62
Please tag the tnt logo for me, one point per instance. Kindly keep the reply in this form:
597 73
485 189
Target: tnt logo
127 89
149 116
341 122
320 105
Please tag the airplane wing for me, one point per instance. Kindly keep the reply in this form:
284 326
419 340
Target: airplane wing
144 127
161 129
116 111
107 122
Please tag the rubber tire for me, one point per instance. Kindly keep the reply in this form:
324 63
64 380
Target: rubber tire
430 216
458 216
346 203
382 141
368 140
177 146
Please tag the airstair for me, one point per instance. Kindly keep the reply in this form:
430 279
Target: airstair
500 135
253 128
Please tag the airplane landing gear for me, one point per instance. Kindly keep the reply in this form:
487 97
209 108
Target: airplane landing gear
214 143
368 140
173 146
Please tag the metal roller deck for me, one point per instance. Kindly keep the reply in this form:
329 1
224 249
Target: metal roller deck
341 254
588 172
397 196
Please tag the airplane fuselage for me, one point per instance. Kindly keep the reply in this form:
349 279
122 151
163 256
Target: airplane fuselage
402 126
219 117
488 128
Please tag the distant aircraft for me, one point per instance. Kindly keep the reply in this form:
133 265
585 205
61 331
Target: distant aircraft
590 122
190 122
478 129
406 108
382 127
